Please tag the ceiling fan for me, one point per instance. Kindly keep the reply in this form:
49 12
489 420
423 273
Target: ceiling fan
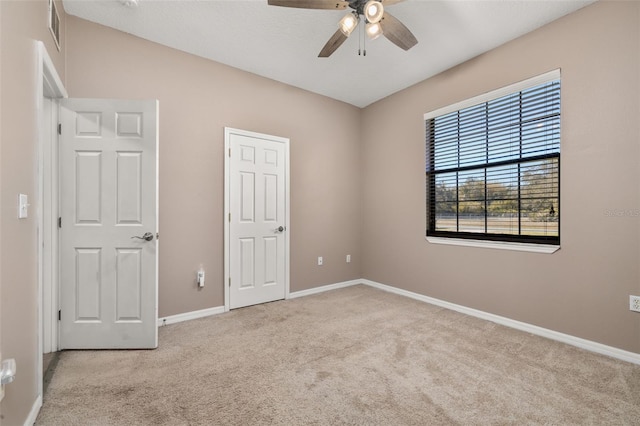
377 21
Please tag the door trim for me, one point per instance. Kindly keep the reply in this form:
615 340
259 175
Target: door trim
49 85
228 131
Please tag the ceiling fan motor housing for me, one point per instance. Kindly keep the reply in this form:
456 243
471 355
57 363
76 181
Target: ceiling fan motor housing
362 8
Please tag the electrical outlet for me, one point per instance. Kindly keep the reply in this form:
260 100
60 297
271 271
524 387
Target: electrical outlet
634 303
348 258
320 261
200 278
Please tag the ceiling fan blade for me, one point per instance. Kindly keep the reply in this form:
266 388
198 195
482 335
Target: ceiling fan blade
311 4
334 42
390 2
396 32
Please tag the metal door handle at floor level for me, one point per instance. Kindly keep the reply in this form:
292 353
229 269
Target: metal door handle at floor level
148 236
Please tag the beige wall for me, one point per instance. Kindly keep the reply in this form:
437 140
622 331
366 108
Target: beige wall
584 288
357 176
198 98
23 22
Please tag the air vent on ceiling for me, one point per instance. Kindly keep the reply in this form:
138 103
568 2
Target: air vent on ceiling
54 23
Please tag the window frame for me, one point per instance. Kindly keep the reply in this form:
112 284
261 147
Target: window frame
487 240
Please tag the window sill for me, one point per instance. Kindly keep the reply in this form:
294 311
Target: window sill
500 245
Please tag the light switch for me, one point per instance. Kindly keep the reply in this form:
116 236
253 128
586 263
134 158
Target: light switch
23 206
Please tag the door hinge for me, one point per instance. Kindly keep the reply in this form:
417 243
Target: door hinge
59 128
229 281
60 222
59 315
229 217
229 152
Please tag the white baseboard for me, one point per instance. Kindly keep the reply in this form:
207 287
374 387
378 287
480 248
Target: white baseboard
35 410
529 328
323 288
172 319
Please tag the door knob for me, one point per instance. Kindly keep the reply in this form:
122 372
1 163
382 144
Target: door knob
280 228
148 236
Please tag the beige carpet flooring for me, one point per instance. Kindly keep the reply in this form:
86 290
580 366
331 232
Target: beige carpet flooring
356 356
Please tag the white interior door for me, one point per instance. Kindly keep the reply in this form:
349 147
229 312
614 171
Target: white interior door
108 204
257 204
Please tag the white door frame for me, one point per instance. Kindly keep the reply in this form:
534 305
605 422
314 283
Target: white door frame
47 228
48 85
227 207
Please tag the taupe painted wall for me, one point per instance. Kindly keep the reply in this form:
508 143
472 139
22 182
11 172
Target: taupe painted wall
198 98
357 176
584 288
23 22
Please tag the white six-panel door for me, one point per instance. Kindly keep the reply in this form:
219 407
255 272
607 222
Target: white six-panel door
257 168
108 200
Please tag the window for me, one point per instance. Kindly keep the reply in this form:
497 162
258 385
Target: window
493 165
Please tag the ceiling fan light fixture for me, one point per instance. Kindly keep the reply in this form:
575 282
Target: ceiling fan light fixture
348 23
373 30
373 11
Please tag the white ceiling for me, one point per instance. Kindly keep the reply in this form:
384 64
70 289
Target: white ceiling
283 43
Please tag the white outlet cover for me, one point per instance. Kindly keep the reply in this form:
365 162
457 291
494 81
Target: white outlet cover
634 303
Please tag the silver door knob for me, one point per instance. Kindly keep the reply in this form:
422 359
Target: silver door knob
148 236
280 229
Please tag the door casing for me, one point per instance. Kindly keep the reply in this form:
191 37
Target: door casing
50 86
228 131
